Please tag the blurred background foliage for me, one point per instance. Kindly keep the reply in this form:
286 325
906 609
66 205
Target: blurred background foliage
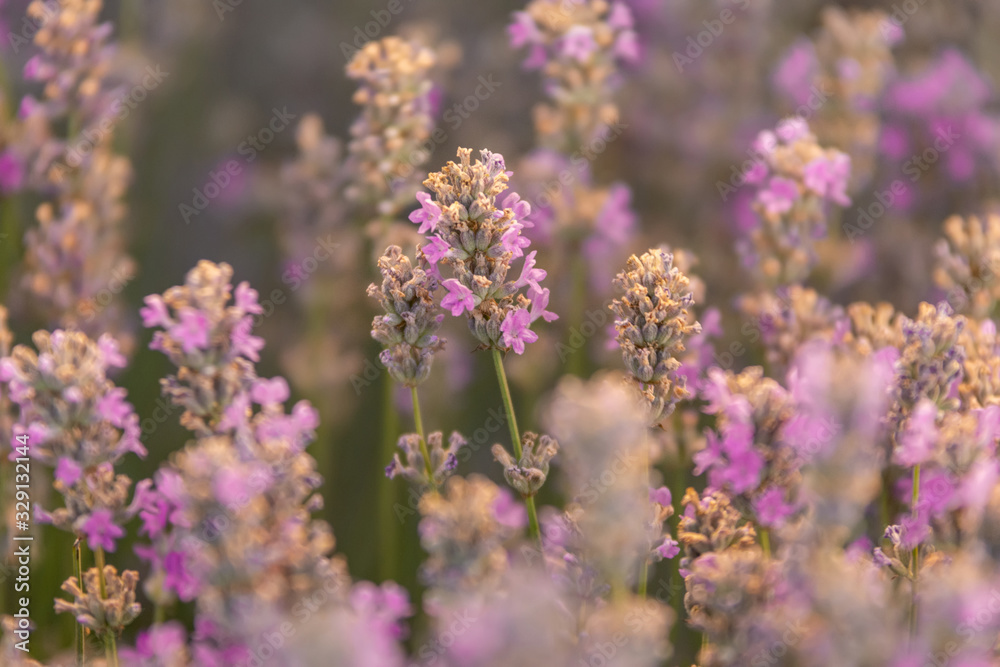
231 65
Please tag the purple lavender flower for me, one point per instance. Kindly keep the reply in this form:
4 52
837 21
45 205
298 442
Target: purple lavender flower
669 548
483 240
795 179
409 327
208 339
779 196
458 299
79 424
427 215
515 330
580 47
100 530
578 43
163 645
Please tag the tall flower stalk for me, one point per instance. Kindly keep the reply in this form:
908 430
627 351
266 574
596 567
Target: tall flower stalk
79 425
477 235
408 332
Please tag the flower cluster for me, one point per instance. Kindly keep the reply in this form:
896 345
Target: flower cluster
104 606
980 382
77 247
652 324
412 466
580 48
850 62
6 418
412 318
312 184
527 474
463 529
948 101
789 317
725 591
74 67
930 360
968 262
748 455
841 397
79 425
366 630
209 340
470 230
163 645
795 181
711 525
230 516
388 140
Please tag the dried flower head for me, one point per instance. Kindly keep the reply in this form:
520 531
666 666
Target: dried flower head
412 467
653 322
710 525
787 318
874 328
409 327
107 613
980 383
528 474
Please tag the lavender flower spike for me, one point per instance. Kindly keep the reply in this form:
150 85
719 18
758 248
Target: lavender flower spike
482 237
653 322
408 330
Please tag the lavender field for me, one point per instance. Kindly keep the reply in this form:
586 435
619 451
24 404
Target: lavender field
529 333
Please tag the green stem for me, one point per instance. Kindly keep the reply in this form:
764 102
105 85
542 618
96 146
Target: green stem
533 519
110 646
643 578
915 556
99 558
81 634
110 650
390 426
515 437
418 422
765 541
